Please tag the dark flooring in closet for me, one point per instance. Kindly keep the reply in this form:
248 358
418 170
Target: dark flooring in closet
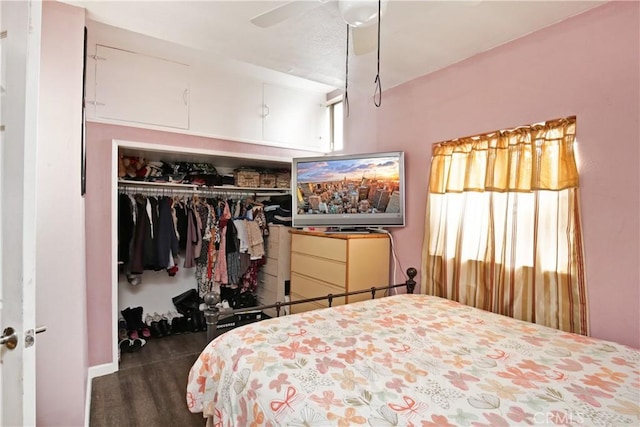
150 387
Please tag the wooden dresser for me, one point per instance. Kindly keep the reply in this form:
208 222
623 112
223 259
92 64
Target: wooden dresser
275 271
336 263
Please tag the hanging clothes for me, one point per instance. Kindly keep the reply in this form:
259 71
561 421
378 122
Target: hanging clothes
126 227
167 240
180 207
255 240
220 271
233 254
249 282
226 248
208 254
260 218
194 238
197 248
150 253
139 238
243 238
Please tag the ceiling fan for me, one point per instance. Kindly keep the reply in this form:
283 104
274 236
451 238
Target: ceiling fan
359 14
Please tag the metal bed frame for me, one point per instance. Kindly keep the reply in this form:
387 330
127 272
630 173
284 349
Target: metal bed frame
213 312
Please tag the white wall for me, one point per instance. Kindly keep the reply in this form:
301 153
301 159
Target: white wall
156 291
61 360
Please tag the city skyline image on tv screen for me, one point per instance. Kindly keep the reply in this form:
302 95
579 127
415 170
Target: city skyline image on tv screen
364 185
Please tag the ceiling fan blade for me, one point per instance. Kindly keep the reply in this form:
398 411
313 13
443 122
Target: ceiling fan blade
284 12
365 39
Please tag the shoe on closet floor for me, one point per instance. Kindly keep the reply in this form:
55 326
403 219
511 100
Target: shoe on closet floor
143 329
200 320
179 325
154 326
132 330
130 346
138 344
165 326
173 322
122 330
136 327
194 325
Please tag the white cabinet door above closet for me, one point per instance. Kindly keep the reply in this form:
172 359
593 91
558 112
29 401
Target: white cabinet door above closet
294 116
139 88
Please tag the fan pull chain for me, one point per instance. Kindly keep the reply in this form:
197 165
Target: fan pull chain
377 95
346 80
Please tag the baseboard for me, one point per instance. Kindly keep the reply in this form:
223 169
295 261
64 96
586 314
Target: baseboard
94 372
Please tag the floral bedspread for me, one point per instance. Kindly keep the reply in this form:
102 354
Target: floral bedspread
412 360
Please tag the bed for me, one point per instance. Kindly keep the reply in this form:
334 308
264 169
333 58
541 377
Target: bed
412 360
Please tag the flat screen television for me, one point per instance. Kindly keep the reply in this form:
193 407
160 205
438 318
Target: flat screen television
349 192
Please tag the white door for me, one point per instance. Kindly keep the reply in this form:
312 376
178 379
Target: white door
20 44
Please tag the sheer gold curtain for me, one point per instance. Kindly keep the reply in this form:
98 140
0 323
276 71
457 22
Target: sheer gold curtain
502 229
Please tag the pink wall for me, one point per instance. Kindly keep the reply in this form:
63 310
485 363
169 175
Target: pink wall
586 66
61 356
98 215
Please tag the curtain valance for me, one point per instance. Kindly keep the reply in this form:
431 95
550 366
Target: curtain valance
525 159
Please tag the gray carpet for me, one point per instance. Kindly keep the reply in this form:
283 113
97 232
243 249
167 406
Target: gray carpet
150 387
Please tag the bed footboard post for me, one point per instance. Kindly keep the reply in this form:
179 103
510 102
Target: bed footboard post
211 314
411 284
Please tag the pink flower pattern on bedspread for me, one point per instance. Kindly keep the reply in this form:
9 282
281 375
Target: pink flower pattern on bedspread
412 360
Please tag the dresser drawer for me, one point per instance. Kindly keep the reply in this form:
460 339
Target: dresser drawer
267 292
273 248
274 233
270 267
327 270
323 247
266 296
307 287
267 281
300 308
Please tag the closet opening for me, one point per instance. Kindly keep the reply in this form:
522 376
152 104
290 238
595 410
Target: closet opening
175 241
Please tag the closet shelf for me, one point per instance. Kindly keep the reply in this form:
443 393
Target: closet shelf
146 187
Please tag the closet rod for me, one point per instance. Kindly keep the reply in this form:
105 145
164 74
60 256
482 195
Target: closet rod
167 191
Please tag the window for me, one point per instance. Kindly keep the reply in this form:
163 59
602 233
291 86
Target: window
335 122
503 226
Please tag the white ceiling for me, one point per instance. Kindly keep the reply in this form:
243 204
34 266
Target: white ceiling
417 37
